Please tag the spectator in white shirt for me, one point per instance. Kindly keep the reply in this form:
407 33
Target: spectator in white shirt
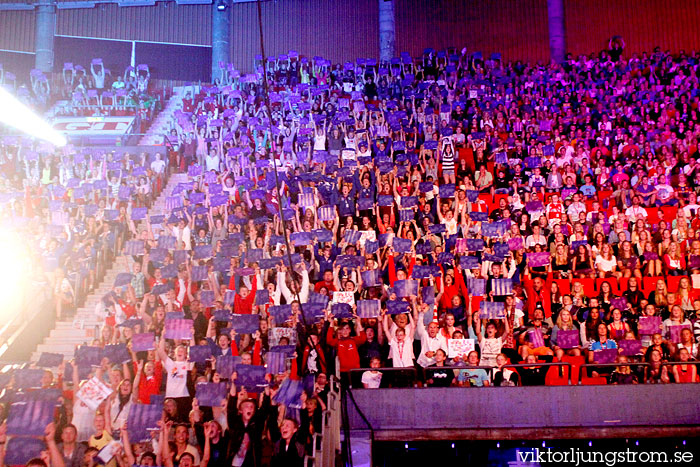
400 342
636 211
431 340
372 379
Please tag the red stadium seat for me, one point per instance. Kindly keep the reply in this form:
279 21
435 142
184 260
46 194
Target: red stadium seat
672 283
576 363
564 286
603 195
653 215
488 199
499 197
557 376
649 283
613 284
623 282
593 380
588 286
669 213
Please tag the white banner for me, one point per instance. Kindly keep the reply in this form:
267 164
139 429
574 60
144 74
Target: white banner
93 125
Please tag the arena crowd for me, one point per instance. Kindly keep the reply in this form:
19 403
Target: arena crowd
446 216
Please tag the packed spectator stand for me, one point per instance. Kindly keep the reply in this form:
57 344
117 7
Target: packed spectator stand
461 220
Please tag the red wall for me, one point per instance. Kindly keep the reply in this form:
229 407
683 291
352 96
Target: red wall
348 29
644 24
515 28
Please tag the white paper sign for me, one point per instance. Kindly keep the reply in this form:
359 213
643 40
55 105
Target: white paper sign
459 347
370 235
276 334
344 297
93 392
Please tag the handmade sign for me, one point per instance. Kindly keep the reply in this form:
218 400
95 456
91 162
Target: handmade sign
277 334
459 347
93 392
344 297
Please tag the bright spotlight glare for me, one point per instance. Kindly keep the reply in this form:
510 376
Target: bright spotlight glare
17 115
14 275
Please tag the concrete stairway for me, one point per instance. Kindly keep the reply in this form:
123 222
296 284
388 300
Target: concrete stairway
85 325
161 124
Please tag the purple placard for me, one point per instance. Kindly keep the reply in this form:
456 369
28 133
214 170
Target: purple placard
568 339
675 332
477 287
605 356
143 342
618 302
30 417
515 244
493 310
179 329
538 259
649 325
535 338
501 287
211 394
630 347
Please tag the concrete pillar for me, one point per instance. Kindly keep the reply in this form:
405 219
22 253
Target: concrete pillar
220 38
557 30
387 30
44 35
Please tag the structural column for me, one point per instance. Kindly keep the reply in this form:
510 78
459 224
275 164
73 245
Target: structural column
557 38
44 35
387 30
220 38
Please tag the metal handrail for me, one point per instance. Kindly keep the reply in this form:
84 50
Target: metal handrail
672 364
537 364
409 369
467 367
608 365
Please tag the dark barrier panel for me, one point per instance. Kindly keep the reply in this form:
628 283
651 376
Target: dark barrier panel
176 62
526 407
116 55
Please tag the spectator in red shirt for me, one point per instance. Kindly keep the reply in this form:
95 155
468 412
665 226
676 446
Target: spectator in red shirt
347 347
326 283
245 298
149 376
